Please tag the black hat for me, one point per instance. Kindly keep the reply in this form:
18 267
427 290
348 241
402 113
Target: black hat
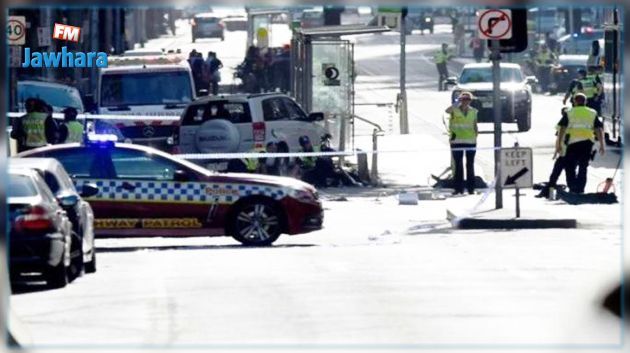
70 110
304 140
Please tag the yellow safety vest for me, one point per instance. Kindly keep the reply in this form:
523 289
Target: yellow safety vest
463 126
441 57
75 132
34 125
252 163
309 162
581 122
589 87
541 58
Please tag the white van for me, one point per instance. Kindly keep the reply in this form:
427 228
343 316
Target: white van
146 85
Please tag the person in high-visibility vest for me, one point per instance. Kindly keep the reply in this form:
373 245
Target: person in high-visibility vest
582 125
252 164
71 130
593 89
440 58
544 60
574 86
34 129
463 131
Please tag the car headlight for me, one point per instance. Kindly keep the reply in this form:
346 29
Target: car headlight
305 196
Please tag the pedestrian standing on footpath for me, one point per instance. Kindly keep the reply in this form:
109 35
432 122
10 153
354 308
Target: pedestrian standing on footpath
581 125
463 131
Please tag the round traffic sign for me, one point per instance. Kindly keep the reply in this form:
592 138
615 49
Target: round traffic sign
495 24
15 30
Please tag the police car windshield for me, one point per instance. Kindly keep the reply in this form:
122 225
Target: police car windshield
146 88
484 74
59 97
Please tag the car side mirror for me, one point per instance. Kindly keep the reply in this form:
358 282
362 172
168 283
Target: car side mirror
531 80
451 81
316 116
202 92
181 176
68 200
89 190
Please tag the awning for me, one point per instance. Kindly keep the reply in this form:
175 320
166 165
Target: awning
342 30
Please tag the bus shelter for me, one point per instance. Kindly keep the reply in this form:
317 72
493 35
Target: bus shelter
322 75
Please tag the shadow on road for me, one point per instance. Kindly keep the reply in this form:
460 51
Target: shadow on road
122 249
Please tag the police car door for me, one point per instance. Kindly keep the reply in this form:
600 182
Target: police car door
150 200
286 121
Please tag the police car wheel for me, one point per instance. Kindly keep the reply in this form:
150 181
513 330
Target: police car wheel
90 267
57 277
257 223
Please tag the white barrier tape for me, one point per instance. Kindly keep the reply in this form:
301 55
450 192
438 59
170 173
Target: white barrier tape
109 117
489 190
263 155
192 156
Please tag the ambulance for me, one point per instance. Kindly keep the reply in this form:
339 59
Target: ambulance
154 87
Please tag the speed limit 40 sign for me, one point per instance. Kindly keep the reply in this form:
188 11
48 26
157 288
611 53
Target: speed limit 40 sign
16 30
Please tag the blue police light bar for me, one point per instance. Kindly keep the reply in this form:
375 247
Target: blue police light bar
96 138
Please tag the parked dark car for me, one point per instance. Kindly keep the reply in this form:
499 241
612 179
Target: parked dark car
419 20
566 71
40 235
78 210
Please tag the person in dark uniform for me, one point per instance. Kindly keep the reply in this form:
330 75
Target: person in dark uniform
559 164
580 126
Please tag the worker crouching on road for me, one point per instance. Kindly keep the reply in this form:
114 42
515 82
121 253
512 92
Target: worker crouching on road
463 131
581 125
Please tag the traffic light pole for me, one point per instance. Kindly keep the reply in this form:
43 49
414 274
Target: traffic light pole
495 56
402 99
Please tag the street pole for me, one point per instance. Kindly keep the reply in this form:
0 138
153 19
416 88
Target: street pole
496 106
402 102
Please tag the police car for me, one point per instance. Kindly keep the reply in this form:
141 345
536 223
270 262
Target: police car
146 192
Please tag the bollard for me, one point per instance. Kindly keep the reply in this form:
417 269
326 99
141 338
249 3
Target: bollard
374 170
362 165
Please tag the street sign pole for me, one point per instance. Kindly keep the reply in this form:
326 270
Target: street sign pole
518 203
496 104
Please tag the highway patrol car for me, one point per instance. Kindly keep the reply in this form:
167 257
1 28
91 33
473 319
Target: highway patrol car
146 192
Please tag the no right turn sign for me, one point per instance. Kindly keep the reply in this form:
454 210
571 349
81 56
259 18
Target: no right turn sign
495 24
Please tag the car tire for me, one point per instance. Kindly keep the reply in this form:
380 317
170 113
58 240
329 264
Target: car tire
256 222
76 257
90 267
524 123
57 277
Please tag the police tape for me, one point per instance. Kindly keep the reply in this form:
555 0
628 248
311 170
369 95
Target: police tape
108 117
262 154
